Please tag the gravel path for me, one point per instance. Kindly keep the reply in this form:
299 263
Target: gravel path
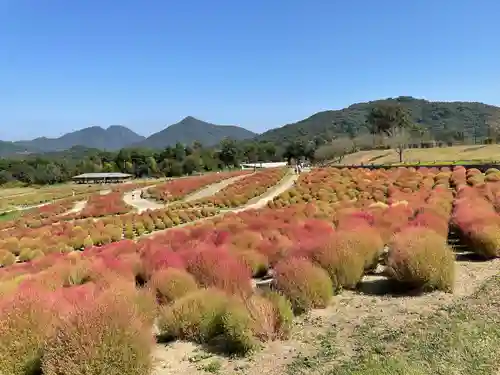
79 206
261 201
133 198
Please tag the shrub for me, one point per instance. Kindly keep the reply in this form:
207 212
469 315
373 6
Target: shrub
155 259
485 240
263 316
25 255
421 258
171 284
236 327
194 317
283 312
304 284
256 262
7 258
218 268
347 254
26 319
114 339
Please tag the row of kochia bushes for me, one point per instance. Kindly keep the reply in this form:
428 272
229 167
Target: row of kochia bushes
195 284
241 191
97 205
342 185
25 244
43 215
179 188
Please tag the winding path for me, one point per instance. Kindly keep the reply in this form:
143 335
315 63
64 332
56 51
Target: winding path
134 199
261 201
79 206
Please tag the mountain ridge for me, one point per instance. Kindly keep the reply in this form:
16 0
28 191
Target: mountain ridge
191 129
442 120
115 137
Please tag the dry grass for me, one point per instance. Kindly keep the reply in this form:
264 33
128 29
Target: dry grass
471 152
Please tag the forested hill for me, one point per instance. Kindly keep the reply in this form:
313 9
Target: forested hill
443 120
190 130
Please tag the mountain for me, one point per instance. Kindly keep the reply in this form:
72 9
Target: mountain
9 148
112 138
441 119
191 129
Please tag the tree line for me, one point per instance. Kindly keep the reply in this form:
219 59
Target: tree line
57 167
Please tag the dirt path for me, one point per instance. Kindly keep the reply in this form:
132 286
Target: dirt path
134 199
24 208
261 201
79 206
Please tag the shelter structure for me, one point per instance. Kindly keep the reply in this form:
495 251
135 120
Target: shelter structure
102 178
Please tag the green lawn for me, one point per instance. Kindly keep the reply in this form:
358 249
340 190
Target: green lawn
9 215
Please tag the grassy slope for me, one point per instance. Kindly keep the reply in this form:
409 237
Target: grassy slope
455 153
463 338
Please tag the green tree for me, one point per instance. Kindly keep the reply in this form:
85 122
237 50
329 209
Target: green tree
229 152
385 119
191 164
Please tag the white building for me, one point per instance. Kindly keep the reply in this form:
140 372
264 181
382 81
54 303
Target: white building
263 165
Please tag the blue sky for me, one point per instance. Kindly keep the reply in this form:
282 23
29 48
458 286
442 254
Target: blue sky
261 64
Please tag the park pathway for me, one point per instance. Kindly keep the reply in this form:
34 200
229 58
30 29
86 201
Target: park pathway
134 199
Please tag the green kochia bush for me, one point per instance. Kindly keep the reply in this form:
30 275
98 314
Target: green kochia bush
421 258
172 283
108 336
207 315
27 318
306 286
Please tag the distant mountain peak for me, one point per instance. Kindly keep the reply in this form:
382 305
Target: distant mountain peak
191 129
114 137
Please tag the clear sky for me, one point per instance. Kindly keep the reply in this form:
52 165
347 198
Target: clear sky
68 64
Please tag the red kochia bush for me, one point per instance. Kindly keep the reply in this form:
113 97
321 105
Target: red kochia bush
216 267
105 337
304 284
157 258
26 320
421 258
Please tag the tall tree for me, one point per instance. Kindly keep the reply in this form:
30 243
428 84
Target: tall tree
386 119
229 153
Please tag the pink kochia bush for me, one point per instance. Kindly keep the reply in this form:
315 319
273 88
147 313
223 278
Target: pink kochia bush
108 336
421 258
217 267
478 222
